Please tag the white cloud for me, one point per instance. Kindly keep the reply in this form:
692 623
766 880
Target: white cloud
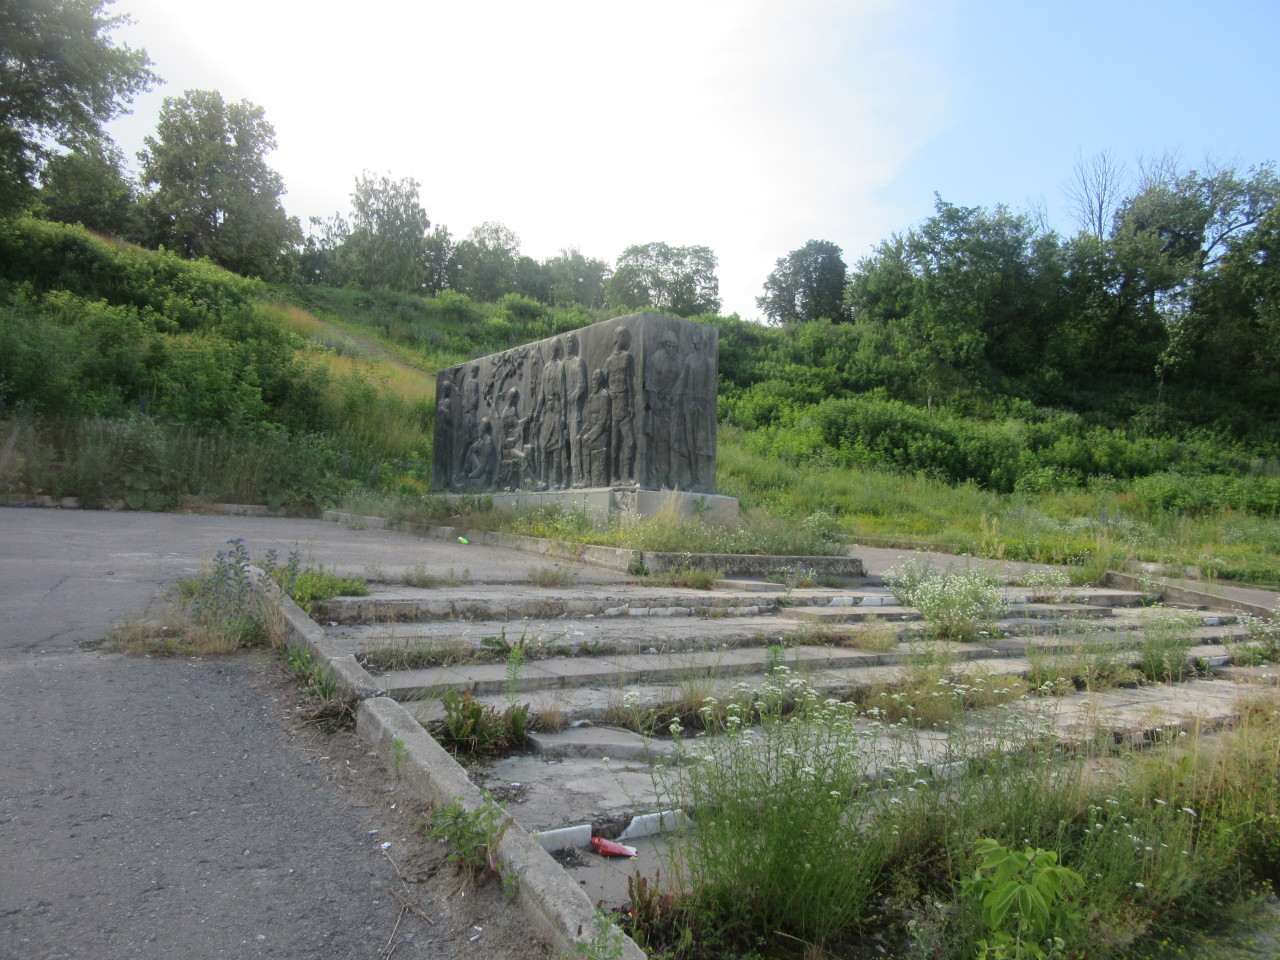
749 127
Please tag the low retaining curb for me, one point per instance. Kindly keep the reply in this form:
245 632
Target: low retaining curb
754 564
1180 593
299 630
618 558
561 913
611 558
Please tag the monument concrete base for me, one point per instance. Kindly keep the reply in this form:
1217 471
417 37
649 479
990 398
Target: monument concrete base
601 503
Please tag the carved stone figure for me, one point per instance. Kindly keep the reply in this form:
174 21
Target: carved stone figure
550 416
482 459
575 395
446 429
471 388
697 435
628 403
596 427
513 448
620 371
662 423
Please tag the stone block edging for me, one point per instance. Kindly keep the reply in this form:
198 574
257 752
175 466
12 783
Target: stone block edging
611 558
1179 593
300 630
753 564
561 913
620 558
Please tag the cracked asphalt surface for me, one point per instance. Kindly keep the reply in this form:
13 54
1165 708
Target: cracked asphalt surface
163 808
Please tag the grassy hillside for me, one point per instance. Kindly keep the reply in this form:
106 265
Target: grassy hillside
134 375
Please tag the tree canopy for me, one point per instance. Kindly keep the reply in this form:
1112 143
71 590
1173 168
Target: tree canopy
806 284
387 244
487 261
61 78
211 192
677 280
89 186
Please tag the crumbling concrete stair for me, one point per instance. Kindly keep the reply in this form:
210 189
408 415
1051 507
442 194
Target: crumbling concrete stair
589 649
593 653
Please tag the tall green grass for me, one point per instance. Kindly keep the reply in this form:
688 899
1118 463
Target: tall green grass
818 828
1089 528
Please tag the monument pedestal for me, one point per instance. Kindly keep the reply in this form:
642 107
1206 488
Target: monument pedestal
601 503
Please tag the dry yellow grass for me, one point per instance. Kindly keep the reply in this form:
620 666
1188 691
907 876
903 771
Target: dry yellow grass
376 362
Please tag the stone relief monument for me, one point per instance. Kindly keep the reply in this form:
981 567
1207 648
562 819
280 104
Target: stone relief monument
624 404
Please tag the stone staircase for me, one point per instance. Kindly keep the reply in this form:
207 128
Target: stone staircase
595 656
602 667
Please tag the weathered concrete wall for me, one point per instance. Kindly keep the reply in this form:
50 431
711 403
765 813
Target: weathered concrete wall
628 402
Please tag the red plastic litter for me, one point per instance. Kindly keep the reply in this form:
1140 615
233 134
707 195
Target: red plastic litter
607 848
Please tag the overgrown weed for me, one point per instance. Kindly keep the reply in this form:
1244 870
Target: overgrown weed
956 604
826 828
553 576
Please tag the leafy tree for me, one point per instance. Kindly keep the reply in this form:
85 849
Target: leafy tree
967 295
806 284
532 280
1172 237
487 261
1236 333
88 186
321 257
212 192
61 78
442 261
387 243
575 278
676 280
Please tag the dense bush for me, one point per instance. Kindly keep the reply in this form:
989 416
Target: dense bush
147 465
169 292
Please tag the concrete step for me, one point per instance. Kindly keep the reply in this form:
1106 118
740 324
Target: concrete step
604 775
390 604
461 648
590 687
629 669
519 602
1023 611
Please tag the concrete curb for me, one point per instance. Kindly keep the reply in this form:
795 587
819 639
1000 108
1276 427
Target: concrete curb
561 913
618 558
754 564
1184 594
299 630
559 910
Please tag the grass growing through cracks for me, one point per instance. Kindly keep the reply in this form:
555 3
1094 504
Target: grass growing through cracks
224 610
853 835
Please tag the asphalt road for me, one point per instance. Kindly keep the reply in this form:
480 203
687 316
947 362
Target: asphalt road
175 808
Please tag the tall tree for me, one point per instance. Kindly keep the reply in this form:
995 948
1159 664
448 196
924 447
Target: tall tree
576 278
88 186
968 296
442 262
61 78
212 193
1095 191
806 284
487 261
677 280
388 240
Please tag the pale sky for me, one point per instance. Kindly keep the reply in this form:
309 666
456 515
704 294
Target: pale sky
748 126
